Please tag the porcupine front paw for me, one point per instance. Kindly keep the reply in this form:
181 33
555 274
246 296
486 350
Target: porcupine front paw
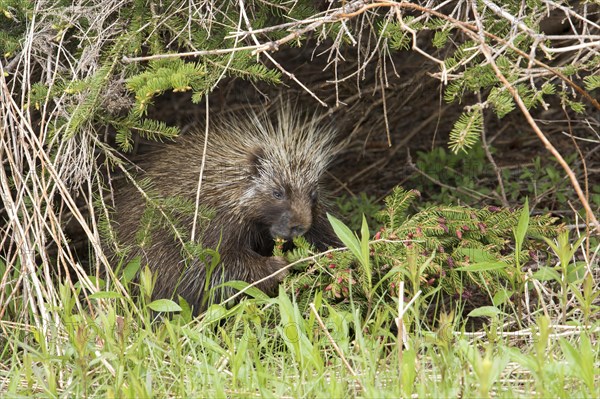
271 265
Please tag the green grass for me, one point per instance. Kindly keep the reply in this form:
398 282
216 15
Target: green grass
279 347
273 350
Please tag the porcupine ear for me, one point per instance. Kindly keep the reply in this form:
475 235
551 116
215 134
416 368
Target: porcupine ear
255 158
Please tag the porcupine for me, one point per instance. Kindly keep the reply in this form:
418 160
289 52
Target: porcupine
263 180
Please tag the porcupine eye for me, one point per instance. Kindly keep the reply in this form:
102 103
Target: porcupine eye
313 196
278 194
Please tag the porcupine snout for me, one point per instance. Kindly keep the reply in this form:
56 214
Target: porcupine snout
293 222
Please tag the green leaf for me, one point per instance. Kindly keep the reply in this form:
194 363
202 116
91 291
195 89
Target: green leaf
476 255
364 241
576 272
131 270
409 371
466 131
523 224
501 297
164 305
527 361
485 311
546 274
552 245
591 82
215 313
440 38
365 256
581 361
186 310
577 106
502 101
345 235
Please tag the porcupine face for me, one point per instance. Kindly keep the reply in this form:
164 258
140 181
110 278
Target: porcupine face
290 213
284 197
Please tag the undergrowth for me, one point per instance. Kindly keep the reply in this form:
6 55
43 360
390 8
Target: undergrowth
445 177
393 315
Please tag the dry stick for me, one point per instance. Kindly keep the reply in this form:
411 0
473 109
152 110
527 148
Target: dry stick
198 53
532 335
490 158
556 72
201 173
515 94
568 10
64 192
24 247
400 327
352 10
51 222
471 30
402 309
586 179
539 38
385 114
402 336
335 346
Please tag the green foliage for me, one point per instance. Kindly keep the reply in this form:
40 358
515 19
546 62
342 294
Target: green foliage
567 274
463 171
576 106
542 177
465 69
468 178
502 101
396 206
591 82
162 75
147 128
440 38
397 37
181 76
352 209
466 130
359 248
455 251
448 256
85 98
468 127
279 351
13 17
